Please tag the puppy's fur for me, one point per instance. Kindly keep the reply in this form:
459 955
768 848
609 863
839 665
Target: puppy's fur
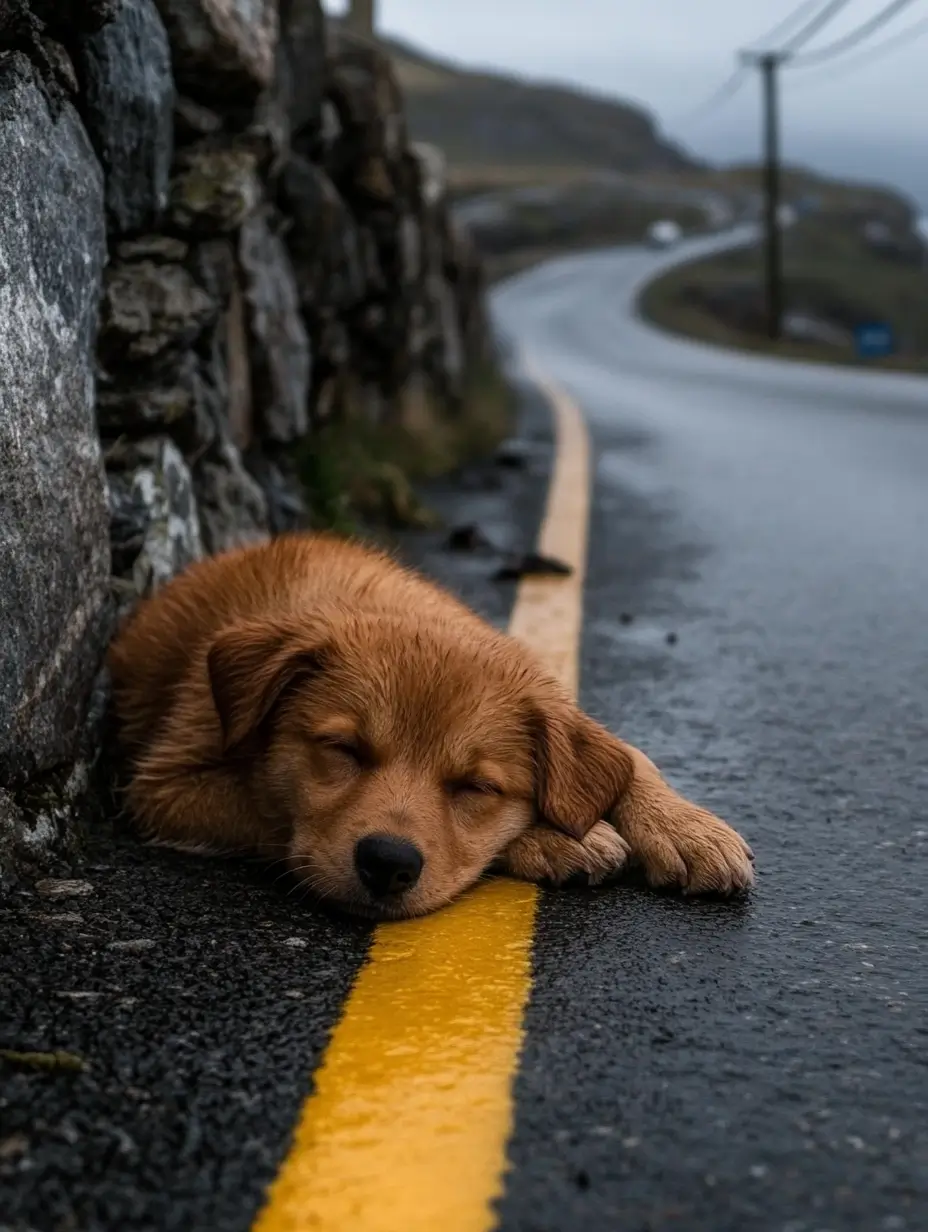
293 698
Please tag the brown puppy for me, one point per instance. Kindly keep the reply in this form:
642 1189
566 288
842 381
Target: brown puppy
310 700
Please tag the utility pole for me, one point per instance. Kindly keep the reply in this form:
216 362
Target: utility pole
769 63
361 17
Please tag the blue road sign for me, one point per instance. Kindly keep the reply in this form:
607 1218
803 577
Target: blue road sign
874 339
809 204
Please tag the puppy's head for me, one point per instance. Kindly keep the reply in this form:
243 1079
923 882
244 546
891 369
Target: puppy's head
400 757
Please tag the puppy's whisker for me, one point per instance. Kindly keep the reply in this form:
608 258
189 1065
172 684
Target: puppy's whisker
305 871
277 863
311 882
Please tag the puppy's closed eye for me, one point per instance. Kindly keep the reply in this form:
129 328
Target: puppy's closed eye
350 752
341 744
473 787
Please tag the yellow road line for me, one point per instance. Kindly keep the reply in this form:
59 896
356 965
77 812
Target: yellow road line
548 613
412 1110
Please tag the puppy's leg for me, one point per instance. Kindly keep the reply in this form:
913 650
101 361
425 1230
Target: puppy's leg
545 854
194 806
676 843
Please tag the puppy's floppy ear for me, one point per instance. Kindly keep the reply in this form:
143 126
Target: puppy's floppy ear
250 665
582 770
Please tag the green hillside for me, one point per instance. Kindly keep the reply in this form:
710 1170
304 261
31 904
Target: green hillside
519 128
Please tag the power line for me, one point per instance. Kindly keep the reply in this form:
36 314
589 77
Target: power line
730 87
769 62
818 55
847 67
812 28
782 28
719 97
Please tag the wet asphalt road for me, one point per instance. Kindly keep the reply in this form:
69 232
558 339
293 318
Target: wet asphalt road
696 1067
721 1067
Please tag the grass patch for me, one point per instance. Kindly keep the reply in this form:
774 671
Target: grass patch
829 273
359 475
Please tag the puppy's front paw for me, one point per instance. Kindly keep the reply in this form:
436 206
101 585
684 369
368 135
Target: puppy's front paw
543 854
686 847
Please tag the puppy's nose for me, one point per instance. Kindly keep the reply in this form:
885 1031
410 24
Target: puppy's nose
387 865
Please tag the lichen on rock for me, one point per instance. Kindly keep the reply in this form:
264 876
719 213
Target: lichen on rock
148 307
154 520
215 190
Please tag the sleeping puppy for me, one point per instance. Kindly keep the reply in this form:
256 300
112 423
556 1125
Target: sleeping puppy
311 701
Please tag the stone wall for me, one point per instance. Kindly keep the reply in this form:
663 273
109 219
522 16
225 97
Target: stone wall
215 237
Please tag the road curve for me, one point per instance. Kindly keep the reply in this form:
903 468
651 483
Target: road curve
757 619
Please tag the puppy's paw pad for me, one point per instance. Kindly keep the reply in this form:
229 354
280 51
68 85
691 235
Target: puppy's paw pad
543 854
696 852
605 852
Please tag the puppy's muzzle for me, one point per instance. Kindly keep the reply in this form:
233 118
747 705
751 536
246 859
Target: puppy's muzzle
387 866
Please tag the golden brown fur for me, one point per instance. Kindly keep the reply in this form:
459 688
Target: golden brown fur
295 698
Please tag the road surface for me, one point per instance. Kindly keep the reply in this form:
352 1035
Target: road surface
760 1067
755 617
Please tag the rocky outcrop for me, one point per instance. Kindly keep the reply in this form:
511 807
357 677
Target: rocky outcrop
223 49
154 522
279 345
215 239
53 569
54 556
128 106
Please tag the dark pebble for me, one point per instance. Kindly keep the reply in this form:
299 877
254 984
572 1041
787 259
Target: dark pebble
532 565
512 456
467 539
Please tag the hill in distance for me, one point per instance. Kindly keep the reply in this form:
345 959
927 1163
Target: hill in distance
495 128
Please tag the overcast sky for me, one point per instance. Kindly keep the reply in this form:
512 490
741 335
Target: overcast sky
869 121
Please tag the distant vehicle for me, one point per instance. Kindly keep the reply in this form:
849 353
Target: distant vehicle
664 233
787 215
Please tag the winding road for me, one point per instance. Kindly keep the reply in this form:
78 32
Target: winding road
757 619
